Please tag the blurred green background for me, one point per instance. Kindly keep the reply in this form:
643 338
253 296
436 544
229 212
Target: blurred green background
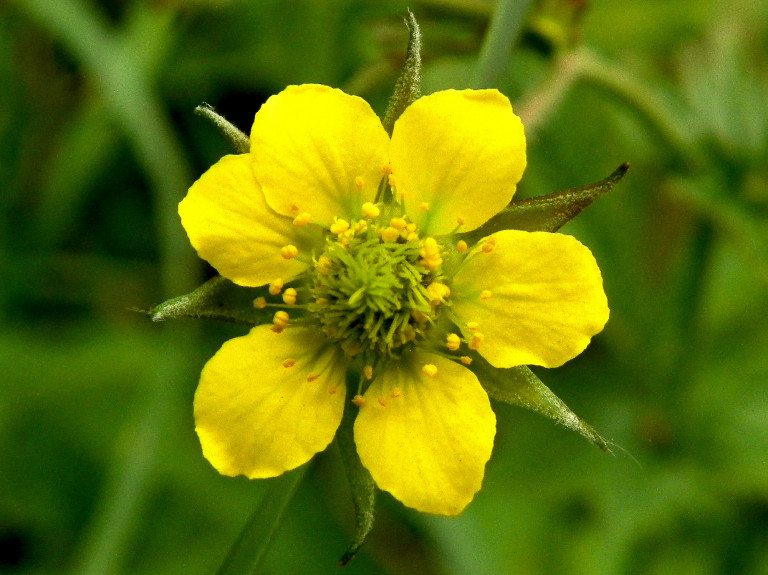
100 469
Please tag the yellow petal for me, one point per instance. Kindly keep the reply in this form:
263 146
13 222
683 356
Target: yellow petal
318 150
230 225
425 434
538 298
268 402
457 154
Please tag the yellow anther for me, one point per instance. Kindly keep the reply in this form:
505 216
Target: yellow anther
439 292
476 341
302 219
321 301
359 182
473 326
295 207
489 245
411 227
289 252
391 181
290 362
312 377
323 264
260 303
453 341
424 206
339 226
382 402
461 246
465 359
390 234
396 392
461 221
276 286
281 318
358 400
360 227
398 223
429 369
371 210
333 389
368 372
387 170
290 295
418 316
486 294
412 237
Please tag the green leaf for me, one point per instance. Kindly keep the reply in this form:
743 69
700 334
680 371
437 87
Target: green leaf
520 386
239 141
551 212
251 546
218 298
408 86
360 482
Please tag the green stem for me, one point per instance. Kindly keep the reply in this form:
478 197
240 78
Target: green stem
255 539
506 24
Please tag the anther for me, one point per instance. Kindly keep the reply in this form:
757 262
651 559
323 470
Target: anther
332 390
359 182
390 234
276 286
429 369
382 402
473 326
461 246
461 221
452 341
398 223
370 210
280 320
396 392
289 252
290 362
368 372
323 264
465 359
387 170
295 207
486 294
439 292
476 341
358 400
339 226
312 377
302 219
424 206
290 295
260 303
489 245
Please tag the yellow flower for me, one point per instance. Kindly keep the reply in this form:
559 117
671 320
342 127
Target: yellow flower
374 253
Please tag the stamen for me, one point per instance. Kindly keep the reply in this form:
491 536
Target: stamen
424 206
486 294
465 359
453 341
358 400
290 362
332 390
368 372
276 286
473 326
391 181
289 252
476 341
439 292
396 392
398 223
323 264
339 226
280 320
260 303
371 210
290 295
382 402
312 377
461 246
387 170
302 219
461 221
390 234
429 369
359 182
489 245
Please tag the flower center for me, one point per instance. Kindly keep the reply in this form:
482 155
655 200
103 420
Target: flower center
373 288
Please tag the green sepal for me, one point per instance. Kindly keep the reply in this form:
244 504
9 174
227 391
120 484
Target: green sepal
239 141
408 85
520 386
360 481
551 212
218 298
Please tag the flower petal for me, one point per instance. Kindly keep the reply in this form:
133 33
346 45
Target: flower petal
309 145
426 439
231 226
257 414
457 154
543 298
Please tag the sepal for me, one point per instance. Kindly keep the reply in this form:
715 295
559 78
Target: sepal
408 86
218 298
520 386
550 212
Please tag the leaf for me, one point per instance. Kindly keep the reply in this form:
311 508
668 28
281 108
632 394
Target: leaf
240 142
520 386
218 298
408 85
551 212
360 482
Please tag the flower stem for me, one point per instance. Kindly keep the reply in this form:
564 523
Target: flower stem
506 24
255 539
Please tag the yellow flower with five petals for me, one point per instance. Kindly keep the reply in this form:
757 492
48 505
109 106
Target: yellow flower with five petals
385 298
